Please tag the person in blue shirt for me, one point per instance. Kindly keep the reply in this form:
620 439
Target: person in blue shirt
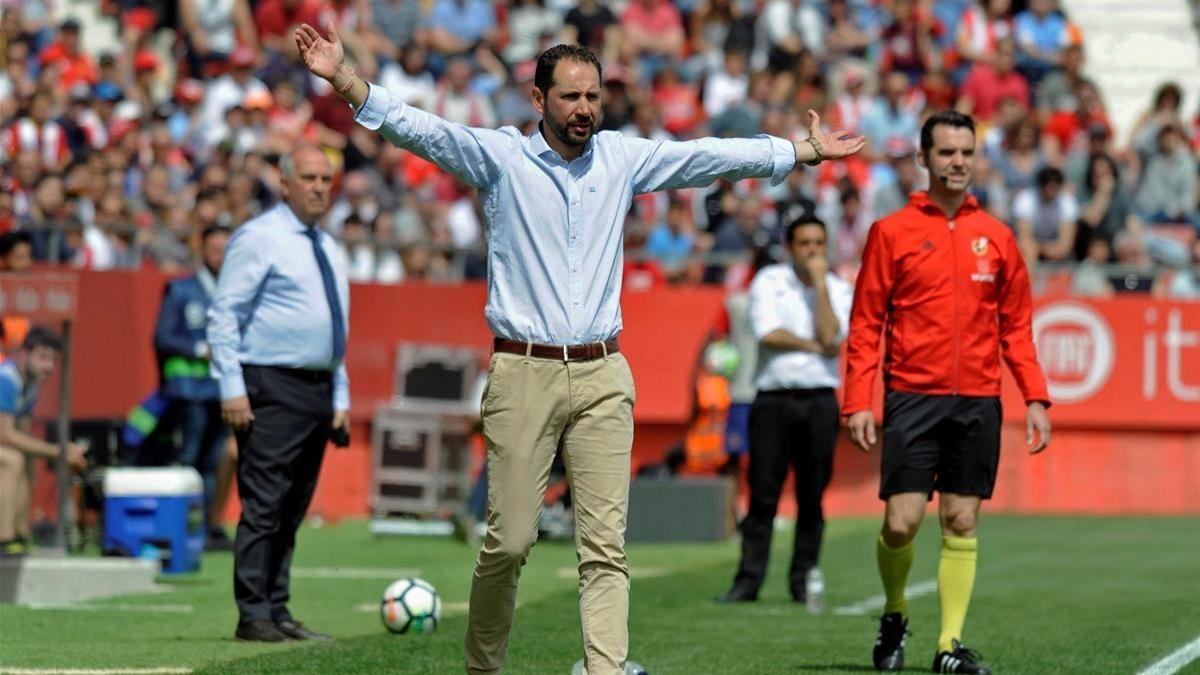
181 345
277 331
21 376
555 202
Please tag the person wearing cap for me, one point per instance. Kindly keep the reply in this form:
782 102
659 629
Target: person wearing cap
232 88
65 55
555 203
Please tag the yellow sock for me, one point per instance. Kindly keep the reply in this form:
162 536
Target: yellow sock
894 564
956 577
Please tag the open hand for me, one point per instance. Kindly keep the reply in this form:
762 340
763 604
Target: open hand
836 144
321 56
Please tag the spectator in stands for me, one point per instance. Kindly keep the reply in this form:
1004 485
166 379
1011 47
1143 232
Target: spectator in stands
456 101
717 28
1167 191
910 42
1107 211
212 29
1136 272
395 25
1166 110
66 60
678 102
409 78
1046 216
21 377
851 31
672 241
651 36
593 25
785 28
641 273
890 193
1090 278
1056 91
891 117
16 83
726 84
16 251
980 29
513 105
183 353
276 20
1021 158
530 22
1042 34
1066 132
38 131
1075 166
990 82
1184 283
232 88
459 26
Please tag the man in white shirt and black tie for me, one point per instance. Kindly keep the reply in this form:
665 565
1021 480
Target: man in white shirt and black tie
799 312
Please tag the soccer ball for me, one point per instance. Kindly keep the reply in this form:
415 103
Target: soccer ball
411 606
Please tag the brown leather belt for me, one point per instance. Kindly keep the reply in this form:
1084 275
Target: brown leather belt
584 352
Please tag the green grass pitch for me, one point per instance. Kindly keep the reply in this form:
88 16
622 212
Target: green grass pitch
1053 595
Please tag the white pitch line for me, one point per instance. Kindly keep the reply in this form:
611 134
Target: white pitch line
1175 661
94 671
876 602
69 607
353 573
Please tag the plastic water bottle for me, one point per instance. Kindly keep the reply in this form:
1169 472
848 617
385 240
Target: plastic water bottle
815 590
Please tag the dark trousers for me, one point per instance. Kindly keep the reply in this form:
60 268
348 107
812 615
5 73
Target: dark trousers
279 458
797 427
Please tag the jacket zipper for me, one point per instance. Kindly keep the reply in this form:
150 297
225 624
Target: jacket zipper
954 276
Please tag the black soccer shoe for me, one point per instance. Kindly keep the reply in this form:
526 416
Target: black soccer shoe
961 660
889 643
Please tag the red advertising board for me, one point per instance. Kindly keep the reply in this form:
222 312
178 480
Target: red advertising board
42 297
1130 363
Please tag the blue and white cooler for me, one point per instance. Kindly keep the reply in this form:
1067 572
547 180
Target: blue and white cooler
155 513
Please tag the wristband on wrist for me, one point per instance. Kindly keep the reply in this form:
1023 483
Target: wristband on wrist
816 146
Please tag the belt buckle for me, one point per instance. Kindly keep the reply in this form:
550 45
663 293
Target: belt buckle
566 356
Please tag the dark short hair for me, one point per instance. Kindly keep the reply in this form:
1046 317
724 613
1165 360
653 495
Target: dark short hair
213 230
10 240
949 118
1169 89
543 78
1048 176
803 220
40 336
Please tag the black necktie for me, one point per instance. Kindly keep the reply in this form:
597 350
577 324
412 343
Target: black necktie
331 294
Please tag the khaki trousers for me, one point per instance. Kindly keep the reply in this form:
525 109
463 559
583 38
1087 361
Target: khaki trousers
529 406
16 493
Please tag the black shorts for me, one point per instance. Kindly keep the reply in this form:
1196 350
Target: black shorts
943 443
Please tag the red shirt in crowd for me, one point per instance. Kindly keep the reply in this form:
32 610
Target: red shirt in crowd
274 19
73 68
951 297
987 87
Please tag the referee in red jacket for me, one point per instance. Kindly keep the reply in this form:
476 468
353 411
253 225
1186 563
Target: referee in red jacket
945 284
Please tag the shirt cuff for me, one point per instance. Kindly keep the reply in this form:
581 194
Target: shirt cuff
783 158
232 386
374 110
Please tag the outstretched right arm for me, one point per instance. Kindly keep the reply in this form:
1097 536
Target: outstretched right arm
474 155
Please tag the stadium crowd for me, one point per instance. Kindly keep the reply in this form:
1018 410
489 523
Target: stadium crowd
121 158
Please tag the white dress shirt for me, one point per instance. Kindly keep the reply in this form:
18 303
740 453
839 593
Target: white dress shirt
270 307
554 228
778 299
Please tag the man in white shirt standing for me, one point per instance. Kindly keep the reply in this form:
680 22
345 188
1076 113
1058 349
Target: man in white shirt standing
555 202
799 312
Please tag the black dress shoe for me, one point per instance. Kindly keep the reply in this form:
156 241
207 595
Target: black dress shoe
260 631
295 629
736 594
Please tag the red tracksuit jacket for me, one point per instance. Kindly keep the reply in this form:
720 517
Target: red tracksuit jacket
950 295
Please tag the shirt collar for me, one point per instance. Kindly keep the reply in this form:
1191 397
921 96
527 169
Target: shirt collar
291 218
539 146
922 202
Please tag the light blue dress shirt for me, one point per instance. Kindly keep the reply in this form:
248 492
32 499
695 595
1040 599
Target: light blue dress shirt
555 228
270 307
